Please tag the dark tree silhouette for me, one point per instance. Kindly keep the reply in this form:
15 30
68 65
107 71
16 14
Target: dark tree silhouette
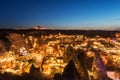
70 72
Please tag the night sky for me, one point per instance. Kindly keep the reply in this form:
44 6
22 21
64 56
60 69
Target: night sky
60 14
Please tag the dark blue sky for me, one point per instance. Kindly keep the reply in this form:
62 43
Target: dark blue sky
75 14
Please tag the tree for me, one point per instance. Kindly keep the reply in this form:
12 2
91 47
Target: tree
2 47
17 42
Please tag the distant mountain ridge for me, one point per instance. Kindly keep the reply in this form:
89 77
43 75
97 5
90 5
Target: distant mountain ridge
117 29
